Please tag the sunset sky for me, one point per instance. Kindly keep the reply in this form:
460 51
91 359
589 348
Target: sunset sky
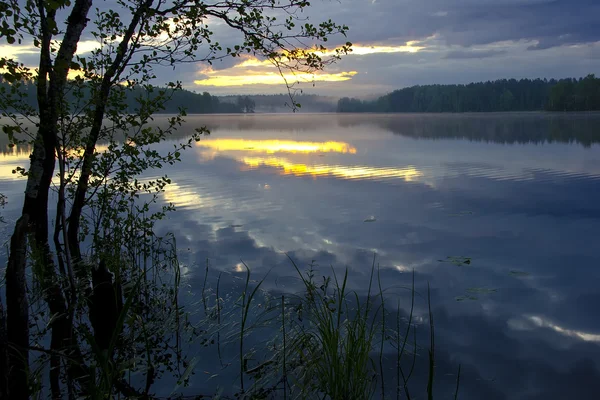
400 43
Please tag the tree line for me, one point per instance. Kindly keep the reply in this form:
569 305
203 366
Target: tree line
569 94
191 102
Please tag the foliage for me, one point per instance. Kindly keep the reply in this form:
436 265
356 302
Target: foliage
575 95
102 310
501 95
245 104
281 102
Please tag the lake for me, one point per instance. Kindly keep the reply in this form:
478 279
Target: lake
499 213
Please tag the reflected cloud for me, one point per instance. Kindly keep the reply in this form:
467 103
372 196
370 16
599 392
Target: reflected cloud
339 171
544 323
182 196
276 146
530 322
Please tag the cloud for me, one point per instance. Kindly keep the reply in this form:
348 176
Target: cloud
403 43
272 78
253 71
473 54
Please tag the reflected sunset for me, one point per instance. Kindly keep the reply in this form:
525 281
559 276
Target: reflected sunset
277 146
339 171
18 156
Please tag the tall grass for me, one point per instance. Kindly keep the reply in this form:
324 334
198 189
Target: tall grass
323 342
331 342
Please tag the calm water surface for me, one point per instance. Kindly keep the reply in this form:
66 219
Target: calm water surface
517 193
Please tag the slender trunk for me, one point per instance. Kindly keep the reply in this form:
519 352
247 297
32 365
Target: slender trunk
17 313
34 216
114 71
3 355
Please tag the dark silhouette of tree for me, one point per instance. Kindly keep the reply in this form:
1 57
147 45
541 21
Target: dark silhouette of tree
501 95
246 104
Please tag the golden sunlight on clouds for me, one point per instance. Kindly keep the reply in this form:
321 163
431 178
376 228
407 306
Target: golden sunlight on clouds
14 50
276 146
360 50
339 171
254 71
224 78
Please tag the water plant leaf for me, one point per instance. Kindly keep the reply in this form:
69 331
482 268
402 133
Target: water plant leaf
458 260
517 273
461 214
466 297
481 290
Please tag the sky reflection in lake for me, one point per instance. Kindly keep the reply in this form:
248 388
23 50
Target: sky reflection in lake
518 193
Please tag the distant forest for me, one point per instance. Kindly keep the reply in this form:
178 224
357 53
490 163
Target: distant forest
281 103
502 95
193 103
205 103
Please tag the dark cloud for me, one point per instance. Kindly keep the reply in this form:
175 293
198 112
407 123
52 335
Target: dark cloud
564 34
468 23
466 55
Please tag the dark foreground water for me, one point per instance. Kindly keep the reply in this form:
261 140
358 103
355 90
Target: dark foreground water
519 194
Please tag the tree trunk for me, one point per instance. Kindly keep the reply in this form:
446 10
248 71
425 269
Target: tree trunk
112 72
34 216
17 313
3 355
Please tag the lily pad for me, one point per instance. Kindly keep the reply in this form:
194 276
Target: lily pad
462 214
466 297
457 260
480 290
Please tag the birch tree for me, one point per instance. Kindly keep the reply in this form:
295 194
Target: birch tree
104 213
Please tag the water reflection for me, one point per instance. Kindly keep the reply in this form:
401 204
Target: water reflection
536 321
276 146
338 171
18 156
10 159
513 207
504 128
